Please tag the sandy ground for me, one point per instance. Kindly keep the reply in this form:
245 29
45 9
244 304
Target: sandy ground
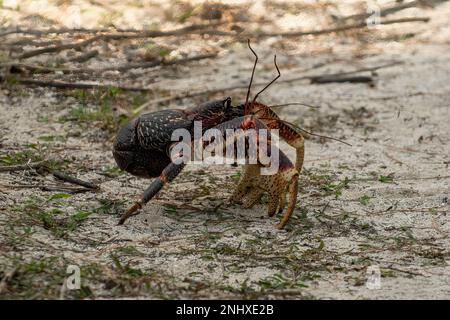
380 204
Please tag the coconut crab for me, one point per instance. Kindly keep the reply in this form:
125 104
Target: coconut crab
143 148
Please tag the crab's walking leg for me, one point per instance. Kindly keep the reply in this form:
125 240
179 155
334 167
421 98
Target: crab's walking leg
253 184
293 138
167 175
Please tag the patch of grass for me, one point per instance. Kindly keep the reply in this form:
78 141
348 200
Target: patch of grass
31 153
76 219
52 138
125 268
112 171
364 200
31 279
138 99
57 196
179 11
154 50
170 210
108 19
43 119
95 107
316 177
236 176
184 16
336 188
47 212
280 282
386 179
112 207
128 251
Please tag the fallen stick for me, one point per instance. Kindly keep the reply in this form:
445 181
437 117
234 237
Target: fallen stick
58 48
57 174
64 177
18 67
237 87
345 73
37 32
359 25
393 9
182 31
75 85
46 188
21 167
30 42
122 67
112 36
339 79
151 64
84 57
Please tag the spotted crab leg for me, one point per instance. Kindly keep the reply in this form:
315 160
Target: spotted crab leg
253 185
167 175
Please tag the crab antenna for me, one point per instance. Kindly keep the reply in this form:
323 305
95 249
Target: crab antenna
270 83
308 132
295 104
253 73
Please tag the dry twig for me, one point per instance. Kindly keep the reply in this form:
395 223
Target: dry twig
22 167
393 9
313 79
66 178
200 30
17 66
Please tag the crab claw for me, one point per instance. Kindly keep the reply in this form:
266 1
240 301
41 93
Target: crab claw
278 186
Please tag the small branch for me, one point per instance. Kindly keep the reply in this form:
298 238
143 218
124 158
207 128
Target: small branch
123 67
73 180
237 87
359 25
37 32
342 74
84 57
30 42
351 79
18 67
112 36
58 48
46 187
57 174
74 85
392 9
197 30
22 167
403 270
151 64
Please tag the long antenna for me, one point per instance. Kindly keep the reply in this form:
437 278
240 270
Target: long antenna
308 132
271 82
295 104
251 79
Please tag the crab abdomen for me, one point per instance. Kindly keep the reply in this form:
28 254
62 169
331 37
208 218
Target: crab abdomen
141 146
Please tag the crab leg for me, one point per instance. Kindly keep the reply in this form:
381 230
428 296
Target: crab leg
253 184
167 175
